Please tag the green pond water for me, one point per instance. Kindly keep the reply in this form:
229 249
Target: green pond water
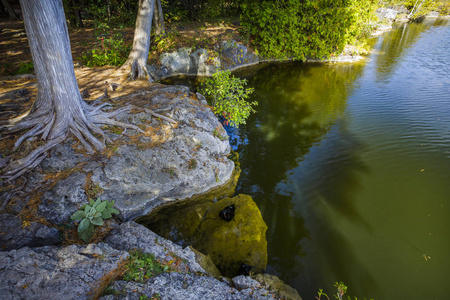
350 168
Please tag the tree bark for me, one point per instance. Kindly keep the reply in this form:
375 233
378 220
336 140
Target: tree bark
77 13
160 29
58 109
137 59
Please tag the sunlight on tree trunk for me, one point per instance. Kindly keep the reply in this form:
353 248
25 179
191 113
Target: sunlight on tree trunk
137 60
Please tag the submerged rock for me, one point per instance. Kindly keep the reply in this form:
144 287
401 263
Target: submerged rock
230 244
273 283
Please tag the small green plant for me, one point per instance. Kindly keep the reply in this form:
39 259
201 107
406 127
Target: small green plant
341 290
227 95
93 214
142 266
111 51
192 164
320 293
216 133
25 68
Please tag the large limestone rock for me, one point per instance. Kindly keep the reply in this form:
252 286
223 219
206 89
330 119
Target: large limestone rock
73 272
175 286
201 62
140 172
386 13
85 272
14 236
131 235
231 243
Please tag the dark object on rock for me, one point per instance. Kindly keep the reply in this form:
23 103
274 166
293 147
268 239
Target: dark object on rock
245 269
14 236
85 94
227 213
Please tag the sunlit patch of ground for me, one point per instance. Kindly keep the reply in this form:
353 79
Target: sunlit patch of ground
14 49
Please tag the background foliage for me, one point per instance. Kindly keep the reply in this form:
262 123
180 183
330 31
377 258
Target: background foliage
306 28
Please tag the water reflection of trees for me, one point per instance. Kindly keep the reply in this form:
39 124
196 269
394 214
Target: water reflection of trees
396 43
323 189
298 104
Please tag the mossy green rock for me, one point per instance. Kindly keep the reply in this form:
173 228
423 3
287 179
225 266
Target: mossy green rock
229 244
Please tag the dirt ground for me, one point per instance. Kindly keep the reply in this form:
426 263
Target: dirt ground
17 93
14 48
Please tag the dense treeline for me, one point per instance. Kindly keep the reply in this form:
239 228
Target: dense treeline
123 12
282 28
306 28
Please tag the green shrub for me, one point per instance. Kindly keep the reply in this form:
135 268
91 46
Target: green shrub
422 8
142 266
92 214
227 95
111 51
305 29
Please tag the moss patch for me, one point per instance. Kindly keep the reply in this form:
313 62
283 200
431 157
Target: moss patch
242 240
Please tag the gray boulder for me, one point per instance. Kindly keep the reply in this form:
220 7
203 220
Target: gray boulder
175 286
202 62
14 236
170 162
386 13
73 272
265 286
131 235
186 61
234 55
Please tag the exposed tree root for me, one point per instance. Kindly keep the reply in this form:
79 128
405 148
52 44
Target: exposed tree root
83 126
135 70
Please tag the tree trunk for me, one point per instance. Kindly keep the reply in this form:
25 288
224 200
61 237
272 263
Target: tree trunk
159 20
52 57
9 10
58 109
77 13
137 59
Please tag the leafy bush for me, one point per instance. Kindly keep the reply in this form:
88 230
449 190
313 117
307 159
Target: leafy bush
422 8
111 51
93 214
302 29
227 95
165 42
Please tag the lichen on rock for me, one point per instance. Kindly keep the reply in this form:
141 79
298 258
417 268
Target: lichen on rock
230 244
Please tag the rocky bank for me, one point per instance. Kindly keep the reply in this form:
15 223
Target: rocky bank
85 272
183 152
